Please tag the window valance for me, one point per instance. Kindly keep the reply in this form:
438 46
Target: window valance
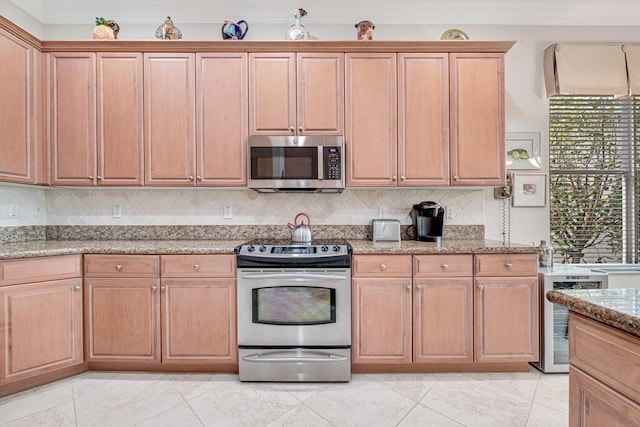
592 69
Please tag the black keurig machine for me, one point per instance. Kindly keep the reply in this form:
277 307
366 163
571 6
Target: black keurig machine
427 221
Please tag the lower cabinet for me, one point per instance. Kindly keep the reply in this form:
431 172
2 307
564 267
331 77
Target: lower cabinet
430 309
187 316
40 320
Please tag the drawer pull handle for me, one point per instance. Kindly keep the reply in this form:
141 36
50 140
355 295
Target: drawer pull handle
445 266
76 288
118 267
508 265
383 267
196 267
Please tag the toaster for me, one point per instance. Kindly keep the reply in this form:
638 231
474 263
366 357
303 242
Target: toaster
384 230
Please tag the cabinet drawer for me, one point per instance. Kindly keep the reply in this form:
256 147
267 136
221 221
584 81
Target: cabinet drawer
506 265
609 355
28 270
382 265
442 265
121 265
198 265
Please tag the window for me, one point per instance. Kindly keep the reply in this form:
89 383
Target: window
593 178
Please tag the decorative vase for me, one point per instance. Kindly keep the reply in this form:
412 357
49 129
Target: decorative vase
365 30
296 30
168 31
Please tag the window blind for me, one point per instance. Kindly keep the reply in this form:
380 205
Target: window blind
593 164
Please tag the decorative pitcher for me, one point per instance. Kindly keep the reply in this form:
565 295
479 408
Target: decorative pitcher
365 30
234 30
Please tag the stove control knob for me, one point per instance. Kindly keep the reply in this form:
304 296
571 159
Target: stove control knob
336 248
324 248
263 248
251 248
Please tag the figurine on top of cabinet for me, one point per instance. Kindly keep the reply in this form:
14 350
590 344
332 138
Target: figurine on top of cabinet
105 29
365 30
296 30
168 31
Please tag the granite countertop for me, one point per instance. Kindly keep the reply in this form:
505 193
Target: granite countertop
69 247
619 308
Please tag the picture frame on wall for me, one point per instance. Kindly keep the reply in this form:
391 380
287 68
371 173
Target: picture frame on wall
529 190
522 150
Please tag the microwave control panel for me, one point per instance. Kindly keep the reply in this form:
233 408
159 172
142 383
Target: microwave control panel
332 163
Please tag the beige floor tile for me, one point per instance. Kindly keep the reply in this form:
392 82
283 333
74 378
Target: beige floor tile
421 416
542 416
413 386
181 415
60 416
553 392
301 416
35 401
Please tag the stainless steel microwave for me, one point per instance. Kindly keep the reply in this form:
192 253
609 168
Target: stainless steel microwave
296 163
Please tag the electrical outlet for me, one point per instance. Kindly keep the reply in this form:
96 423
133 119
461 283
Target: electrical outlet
227 212
117 211
13 210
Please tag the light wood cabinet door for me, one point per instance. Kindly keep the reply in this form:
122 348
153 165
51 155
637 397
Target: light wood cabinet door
423 119
320 93
41 326
169 118
477 119
593 404
381 320
222 119
72 118
443 320
506 319
18 110
120 119
198 320
123 320
371 119
272 93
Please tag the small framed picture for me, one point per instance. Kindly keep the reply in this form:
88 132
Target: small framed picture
523 150
529 189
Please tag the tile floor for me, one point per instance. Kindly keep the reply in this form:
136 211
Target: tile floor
156 399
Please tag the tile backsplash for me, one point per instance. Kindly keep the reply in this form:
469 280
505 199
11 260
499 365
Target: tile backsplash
201 206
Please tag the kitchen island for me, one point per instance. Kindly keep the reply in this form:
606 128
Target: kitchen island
604 355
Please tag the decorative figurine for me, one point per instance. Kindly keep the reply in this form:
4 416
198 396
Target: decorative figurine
233 30
297 31
168 31
365 30
105 29
454 34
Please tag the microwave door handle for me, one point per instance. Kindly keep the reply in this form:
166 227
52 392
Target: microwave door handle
320 163
292 276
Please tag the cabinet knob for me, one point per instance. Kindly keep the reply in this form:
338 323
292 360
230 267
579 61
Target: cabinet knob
383 267
403 178
292 129
455 177
153 288
394 178
76 288
419 287
508 265
199 178
99 178
408 287
196 267
445 266
480 287
300 129
118 267
190 178
163 288
90 177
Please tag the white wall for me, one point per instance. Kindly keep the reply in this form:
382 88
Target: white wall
526 111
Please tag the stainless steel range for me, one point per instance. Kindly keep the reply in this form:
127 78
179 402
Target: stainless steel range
294 311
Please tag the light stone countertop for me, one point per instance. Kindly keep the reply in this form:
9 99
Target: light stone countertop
142 247
619 308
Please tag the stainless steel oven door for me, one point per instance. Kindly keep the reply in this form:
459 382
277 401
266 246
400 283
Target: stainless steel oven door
294 307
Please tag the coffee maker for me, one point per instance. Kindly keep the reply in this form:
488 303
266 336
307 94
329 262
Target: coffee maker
427 220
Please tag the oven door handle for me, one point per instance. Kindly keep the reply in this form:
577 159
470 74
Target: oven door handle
330 358
292 276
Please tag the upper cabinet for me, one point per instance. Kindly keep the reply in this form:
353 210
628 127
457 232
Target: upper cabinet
95 118
222 119
371 119
18 110
296 93
477 119
169 119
